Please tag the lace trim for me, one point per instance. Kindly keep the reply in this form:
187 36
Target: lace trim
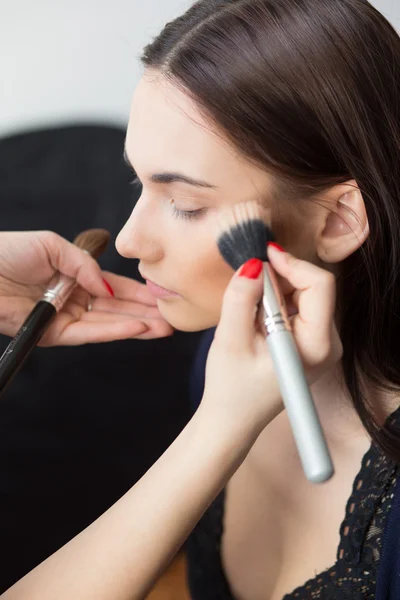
352 577
361 533
356 569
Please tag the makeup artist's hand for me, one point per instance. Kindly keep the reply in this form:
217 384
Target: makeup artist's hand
121 308
240 381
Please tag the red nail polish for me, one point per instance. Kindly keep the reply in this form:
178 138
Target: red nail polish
251 269
277 246
109 288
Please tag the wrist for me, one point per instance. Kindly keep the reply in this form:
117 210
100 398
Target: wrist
227 427
244 423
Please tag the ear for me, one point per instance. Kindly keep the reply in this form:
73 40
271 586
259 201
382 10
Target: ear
344 228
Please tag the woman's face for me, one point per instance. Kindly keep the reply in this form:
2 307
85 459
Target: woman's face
169 141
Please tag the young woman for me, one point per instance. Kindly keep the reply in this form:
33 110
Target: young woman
293 103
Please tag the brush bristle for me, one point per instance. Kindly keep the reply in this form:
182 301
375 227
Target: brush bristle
244 234
93 241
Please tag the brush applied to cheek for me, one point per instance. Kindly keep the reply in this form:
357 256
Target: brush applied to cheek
245 222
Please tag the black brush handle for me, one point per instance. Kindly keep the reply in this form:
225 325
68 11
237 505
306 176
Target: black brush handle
25 340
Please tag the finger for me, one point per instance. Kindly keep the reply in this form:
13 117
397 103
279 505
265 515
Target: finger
237 323
90 331
13 312
73 262
156 327
156 330
291 304
315 288
133 309
70 260
130 289
97 316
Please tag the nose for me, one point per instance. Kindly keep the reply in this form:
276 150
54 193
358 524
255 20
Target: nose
138 238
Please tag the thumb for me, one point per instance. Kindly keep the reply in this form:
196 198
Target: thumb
237 323
70 260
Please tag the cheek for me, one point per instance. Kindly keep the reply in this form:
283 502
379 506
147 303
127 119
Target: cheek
201 272
201 277
294 229
209 280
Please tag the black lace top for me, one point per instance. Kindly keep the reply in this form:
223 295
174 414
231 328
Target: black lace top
354 574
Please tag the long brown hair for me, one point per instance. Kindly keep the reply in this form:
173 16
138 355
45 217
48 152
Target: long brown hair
310 90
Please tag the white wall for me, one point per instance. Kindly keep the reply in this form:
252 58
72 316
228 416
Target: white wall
67 60
71 60
390 8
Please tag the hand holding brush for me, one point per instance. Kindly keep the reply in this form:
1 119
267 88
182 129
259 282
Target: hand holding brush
288 353
47 285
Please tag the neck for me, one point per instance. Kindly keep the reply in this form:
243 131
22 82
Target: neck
335 408
346 437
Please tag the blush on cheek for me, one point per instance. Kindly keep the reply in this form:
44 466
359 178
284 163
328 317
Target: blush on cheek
201 277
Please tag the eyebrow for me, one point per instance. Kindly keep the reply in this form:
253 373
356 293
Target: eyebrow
172 177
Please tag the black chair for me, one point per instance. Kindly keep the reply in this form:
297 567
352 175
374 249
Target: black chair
78 426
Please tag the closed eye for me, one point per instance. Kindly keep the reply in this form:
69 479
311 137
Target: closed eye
186 215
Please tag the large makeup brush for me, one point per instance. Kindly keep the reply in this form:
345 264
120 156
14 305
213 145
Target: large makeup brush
243 233
93 242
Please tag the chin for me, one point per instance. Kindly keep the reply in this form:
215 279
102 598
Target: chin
188 319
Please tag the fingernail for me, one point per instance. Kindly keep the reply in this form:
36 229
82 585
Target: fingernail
251 269
277 246
109 288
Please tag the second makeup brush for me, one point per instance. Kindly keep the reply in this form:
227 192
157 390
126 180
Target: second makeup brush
93 242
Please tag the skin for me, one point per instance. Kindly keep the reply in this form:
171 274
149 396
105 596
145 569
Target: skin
167 133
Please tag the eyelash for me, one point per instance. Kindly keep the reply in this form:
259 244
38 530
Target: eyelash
136 183
186 215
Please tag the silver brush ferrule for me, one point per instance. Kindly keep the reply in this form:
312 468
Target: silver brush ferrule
58 291
275 314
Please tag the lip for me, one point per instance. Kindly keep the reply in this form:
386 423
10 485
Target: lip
158 291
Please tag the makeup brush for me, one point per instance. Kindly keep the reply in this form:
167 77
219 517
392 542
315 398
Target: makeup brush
243 233
93 242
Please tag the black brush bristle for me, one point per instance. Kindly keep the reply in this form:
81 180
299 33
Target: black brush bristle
244 235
